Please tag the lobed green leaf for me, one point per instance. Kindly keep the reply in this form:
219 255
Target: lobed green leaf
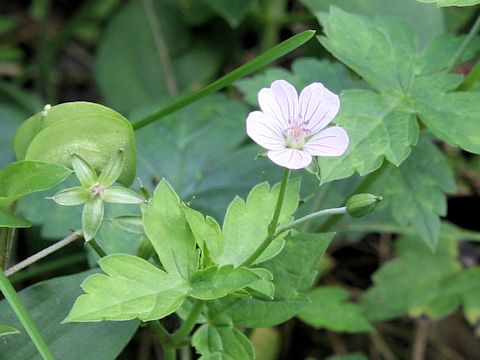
130 288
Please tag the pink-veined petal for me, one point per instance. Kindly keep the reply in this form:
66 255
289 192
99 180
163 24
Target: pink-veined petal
280 101
318 106
265 131
290 158
332 141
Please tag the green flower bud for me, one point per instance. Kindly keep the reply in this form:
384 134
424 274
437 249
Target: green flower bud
362 204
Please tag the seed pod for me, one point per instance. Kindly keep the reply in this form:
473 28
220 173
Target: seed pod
361 204
72 196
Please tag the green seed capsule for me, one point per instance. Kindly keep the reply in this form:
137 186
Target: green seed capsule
361 204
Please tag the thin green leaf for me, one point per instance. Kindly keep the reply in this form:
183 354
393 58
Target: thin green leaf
248 68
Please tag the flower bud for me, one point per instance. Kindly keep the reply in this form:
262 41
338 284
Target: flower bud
362 204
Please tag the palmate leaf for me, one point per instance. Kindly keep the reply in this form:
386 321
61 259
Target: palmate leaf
294 270
415 190
431 285
383 124
330 309
131 288
167 228
246 222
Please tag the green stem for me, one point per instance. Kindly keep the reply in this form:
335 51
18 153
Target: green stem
97 248
272 13
272 228
366 184
6 236
189 323
461 50
278 207
258 63
27 322
470 79
165 339
291 225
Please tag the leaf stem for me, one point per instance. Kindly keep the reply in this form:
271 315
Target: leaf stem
258 63
43 253
97 248
272 228
165 339
463 47
278 207
24 317
290 225
189 323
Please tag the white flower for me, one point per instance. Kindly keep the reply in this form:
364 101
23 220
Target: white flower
293 129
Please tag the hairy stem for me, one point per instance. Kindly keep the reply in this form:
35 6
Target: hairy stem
24 317
43 253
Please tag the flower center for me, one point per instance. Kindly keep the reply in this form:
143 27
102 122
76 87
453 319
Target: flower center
296 133
97 190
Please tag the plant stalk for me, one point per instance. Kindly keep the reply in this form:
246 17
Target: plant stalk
24 317
189 323
463 47
43 253
165 338
97 248
256 64
6 237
